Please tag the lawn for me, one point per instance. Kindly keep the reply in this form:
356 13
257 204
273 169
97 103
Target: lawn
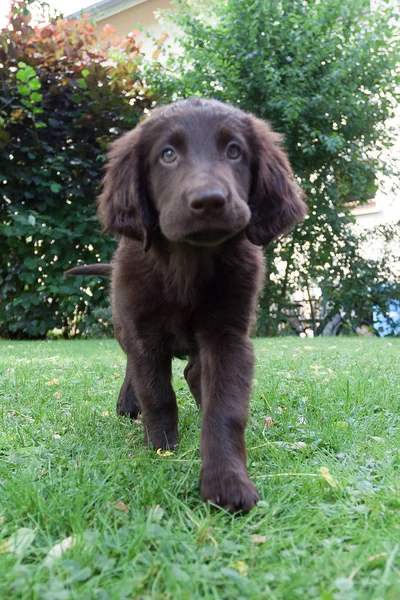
323 449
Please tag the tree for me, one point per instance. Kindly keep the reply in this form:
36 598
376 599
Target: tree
64 95
326 75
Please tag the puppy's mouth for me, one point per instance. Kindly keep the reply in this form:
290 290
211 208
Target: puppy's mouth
208 237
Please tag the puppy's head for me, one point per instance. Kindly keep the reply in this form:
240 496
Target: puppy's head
200 172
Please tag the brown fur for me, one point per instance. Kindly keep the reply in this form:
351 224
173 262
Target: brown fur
188 269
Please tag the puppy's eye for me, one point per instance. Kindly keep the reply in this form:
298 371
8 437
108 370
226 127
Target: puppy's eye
233 151
168 155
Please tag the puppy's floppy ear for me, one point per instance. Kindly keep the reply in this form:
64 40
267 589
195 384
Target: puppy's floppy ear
123 206
275 198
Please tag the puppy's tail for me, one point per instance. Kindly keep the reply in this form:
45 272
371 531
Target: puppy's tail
99 269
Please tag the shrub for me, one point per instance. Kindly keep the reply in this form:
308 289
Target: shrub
64 96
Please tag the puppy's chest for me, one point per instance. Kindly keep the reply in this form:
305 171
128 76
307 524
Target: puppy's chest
170 315
179 307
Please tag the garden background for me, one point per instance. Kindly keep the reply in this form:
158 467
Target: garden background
326 75
88 512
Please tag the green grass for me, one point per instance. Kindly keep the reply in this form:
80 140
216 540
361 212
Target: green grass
69 467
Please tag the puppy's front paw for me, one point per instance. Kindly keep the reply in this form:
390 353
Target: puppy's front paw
231 490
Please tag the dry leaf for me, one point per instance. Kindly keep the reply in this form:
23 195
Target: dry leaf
58 395
158 513
58 550
19 542
52 382
329 477
121 506
241 567
269 421
298 446
105 413
369 560
164 452
258 539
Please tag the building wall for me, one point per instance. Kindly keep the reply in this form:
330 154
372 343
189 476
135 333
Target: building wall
143 14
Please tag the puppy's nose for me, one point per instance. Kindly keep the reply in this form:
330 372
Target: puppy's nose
207 202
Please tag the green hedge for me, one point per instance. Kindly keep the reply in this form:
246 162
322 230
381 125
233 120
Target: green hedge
64 96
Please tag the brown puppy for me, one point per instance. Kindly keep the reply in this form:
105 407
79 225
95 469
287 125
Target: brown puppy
193 192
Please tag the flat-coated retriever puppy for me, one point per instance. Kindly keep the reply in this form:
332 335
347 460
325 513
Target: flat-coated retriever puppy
193 193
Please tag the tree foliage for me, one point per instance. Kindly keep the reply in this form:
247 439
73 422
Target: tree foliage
63 96
326 75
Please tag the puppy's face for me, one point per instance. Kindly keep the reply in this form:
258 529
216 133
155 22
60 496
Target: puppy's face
199 174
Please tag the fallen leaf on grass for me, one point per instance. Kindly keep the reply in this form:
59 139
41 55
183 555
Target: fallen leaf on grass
269 421
157 513
298 446
329 477
241 567
19 542
284 374
376 438
341 424
340 456
369 560
105 413
258 539
58 550
164 452
121 506
52 382
58 395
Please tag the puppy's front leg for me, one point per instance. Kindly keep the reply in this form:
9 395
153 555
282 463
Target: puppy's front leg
151 377
227 362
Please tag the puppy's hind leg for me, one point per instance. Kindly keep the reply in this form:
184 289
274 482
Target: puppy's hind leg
192 374
127 403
